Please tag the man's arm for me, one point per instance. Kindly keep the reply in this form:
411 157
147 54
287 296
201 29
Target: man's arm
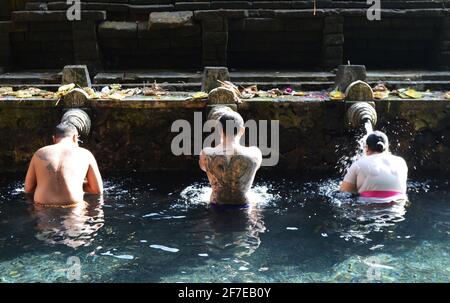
94 183
30 179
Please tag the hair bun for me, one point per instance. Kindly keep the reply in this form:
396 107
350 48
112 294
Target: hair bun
380 143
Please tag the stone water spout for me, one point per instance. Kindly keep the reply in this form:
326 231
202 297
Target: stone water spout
217 111
80 119
361 113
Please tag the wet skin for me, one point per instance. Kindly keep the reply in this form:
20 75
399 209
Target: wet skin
231 169
61 173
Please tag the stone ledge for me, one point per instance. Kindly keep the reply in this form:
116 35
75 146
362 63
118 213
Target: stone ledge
45 16
229 13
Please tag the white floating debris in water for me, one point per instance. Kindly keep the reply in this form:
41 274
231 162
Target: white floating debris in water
203 255
377 265
150 215
263 269
376 247
173 217
291 228
324 235
143 241
124 257
243 268
165 248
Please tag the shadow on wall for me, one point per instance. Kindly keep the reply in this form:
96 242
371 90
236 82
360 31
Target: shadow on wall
391 42
274 43
133 45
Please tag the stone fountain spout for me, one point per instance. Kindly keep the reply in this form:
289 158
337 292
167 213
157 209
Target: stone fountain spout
361 113
80 119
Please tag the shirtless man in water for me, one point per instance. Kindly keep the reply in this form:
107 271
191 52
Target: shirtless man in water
230 167
61 173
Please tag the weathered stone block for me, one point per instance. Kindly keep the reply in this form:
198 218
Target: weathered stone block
162 20
236 24
347 74
333 39
213 14
84 25
85 35
50 16
147 9
272 4
214 25
77 74
154 44
48 36
216 38
49 26
119 44
115 29
303 24
333 25
231 4
211 75
192 5
333 52
263 24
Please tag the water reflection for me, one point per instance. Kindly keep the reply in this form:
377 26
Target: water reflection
356 221
234 233
73 227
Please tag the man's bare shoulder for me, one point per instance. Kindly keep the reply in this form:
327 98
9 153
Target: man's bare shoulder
44 152
209 151
85 152
252 152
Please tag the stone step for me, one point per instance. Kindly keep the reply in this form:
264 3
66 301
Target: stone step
191 80
31 77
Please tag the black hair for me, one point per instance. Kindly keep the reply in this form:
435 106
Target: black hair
233 120
377 142
64 129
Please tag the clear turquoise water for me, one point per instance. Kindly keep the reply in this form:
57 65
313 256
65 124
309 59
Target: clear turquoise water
159 229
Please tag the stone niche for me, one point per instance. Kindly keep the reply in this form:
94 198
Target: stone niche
151 44
275 42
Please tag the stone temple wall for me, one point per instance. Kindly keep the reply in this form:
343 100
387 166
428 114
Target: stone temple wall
314 136
242 34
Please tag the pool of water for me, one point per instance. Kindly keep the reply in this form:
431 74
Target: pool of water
158 228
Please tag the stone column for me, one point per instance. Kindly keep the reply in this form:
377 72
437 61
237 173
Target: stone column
442 60
5 9
332 42
85 44
5 45
215 40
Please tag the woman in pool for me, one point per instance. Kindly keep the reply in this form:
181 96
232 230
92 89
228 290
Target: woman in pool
379 176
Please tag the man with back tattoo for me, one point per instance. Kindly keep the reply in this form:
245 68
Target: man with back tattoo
230 167
61 173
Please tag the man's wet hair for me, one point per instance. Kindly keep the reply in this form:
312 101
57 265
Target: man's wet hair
377 142
234 122
64 129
